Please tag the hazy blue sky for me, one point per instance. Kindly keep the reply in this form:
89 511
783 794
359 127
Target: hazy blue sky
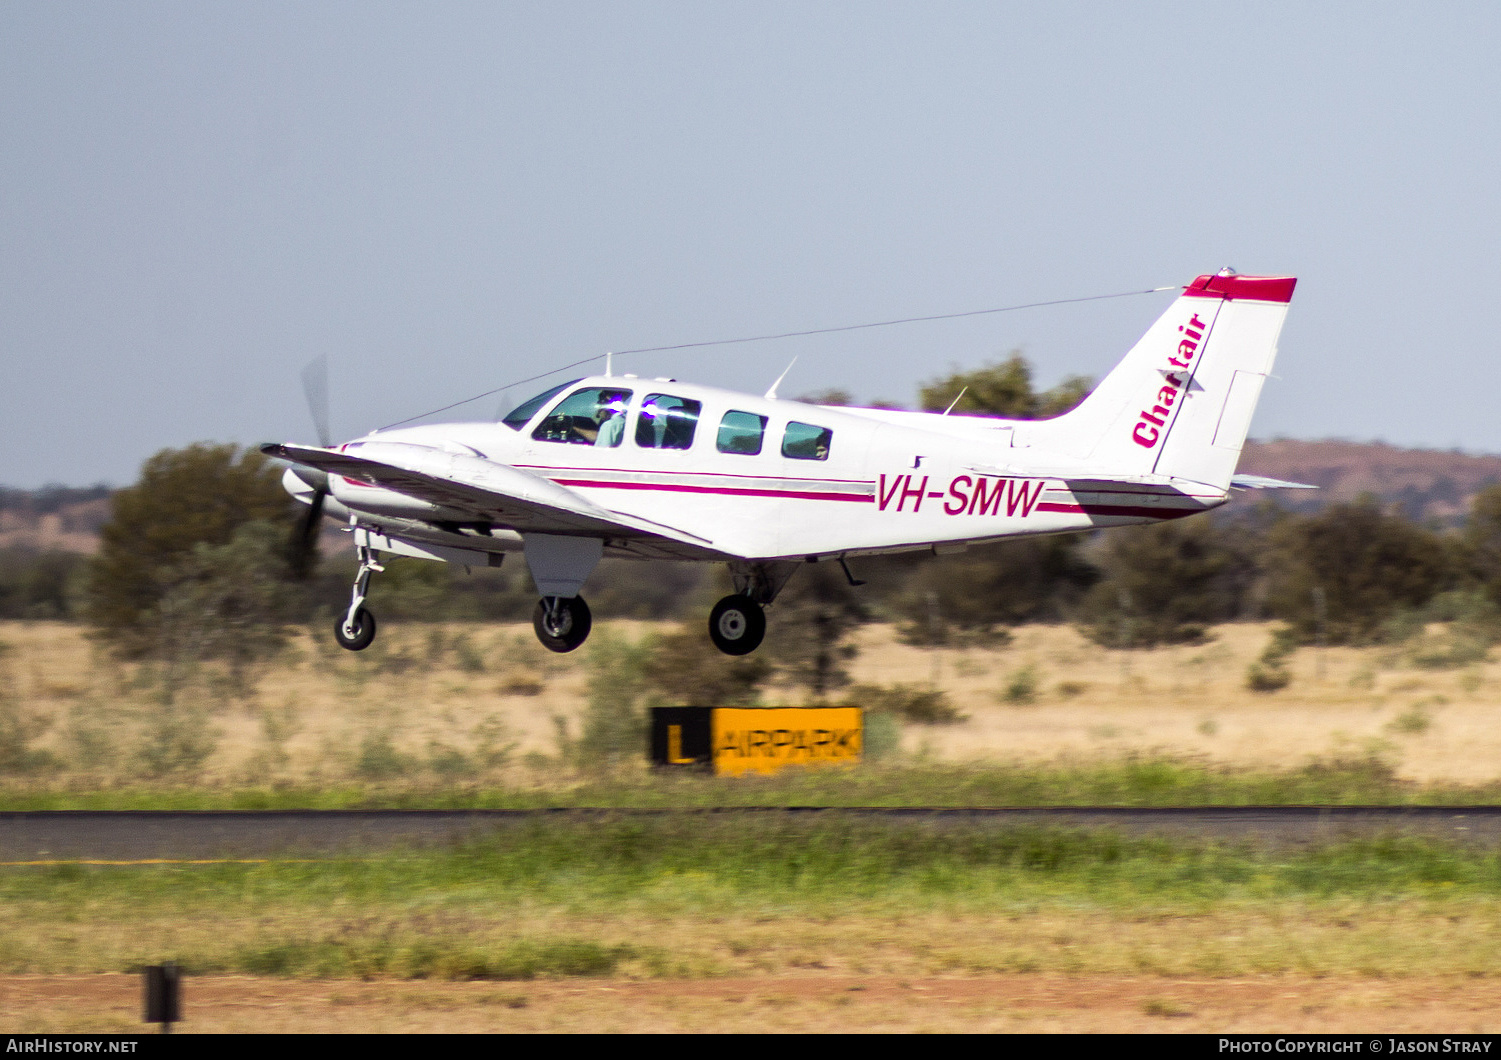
196 199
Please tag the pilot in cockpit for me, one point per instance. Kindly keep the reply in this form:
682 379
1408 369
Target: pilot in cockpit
610 417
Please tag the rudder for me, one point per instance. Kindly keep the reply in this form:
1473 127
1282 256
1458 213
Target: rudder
1180 403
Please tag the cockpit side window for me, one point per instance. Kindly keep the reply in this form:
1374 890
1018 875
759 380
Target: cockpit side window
522 414
741 432
592 416
667 422
805 441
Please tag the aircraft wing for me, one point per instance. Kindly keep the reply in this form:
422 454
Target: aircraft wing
473 488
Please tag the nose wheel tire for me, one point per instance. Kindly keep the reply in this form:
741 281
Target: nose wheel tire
562 624
737 625
359 637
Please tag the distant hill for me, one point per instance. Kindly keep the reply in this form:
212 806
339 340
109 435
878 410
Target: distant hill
54 518
1427 483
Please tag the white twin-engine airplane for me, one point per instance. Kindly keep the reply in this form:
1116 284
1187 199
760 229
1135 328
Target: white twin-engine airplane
657 469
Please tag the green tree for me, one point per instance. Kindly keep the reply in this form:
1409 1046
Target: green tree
38 584
1004 584
1481 542
682 670
185 498
227 603
614 723
1164 583
1004 388
831 396
811 627
1348 570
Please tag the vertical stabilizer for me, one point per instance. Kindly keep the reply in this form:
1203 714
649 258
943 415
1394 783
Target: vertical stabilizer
1181 401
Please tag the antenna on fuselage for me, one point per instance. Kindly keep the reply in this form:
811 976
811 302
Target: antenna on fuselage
609 363
954 402
771 395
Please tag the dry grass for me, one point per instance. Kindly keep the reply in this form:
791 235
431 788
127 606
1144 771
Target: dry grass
492 694
1424 962
830 1004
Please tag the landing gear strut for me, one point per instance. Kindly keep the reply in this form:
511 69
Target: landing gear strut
737 625
562 622
356 630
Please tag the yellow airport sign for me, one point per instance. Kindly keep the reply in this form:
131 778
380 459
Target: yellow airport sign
766 739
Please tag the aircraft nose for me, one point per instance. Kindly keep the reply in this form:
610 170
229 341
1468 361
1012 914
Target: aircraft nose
303 482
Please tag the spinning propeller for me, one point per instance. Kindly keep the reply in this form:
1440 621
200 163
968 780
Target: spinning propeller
305 536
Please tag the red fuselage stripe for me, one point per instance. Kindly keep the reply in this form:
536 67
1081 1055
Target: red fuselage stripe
700 474
806 495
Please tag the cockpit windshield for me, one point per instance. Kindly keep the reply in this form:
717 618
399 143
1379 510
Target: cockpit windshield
519 416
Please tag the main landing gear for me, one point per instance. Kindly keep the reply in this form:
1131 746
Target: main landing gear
356 630
562 622
737 625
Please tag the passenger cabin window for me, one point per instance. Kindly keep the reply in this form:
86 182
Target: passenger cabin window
741 432
803 441
667 422
592 416
522 414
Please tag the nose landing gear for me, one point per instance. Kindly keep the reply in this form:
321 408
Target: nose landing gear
356 630
356 635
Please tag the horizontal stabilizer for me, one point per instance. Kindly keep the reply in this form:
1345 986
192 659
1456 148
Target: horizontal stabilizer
1260 482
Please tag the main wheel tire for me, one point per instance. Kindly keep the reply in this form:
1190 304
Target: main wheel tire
737 625
364 631
570 627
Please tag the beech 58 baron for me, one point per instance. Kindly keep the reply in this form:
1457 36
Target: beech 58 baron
657 469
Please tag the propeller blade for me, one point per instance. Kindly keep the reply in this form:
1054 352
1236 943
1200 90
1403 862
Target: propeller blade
305 537
315 389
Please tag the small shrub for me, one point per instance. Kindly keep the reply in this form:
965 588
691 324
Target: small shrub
1022 688
910 703
520 683
1417 719
1070 689
1411 722
470 659
1449 650
17 729
920 634
491 748
178 739
1270 673
379 759
394 661
1267 677
277 726
614 722
1166 1009
449 763
883 735
88 735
